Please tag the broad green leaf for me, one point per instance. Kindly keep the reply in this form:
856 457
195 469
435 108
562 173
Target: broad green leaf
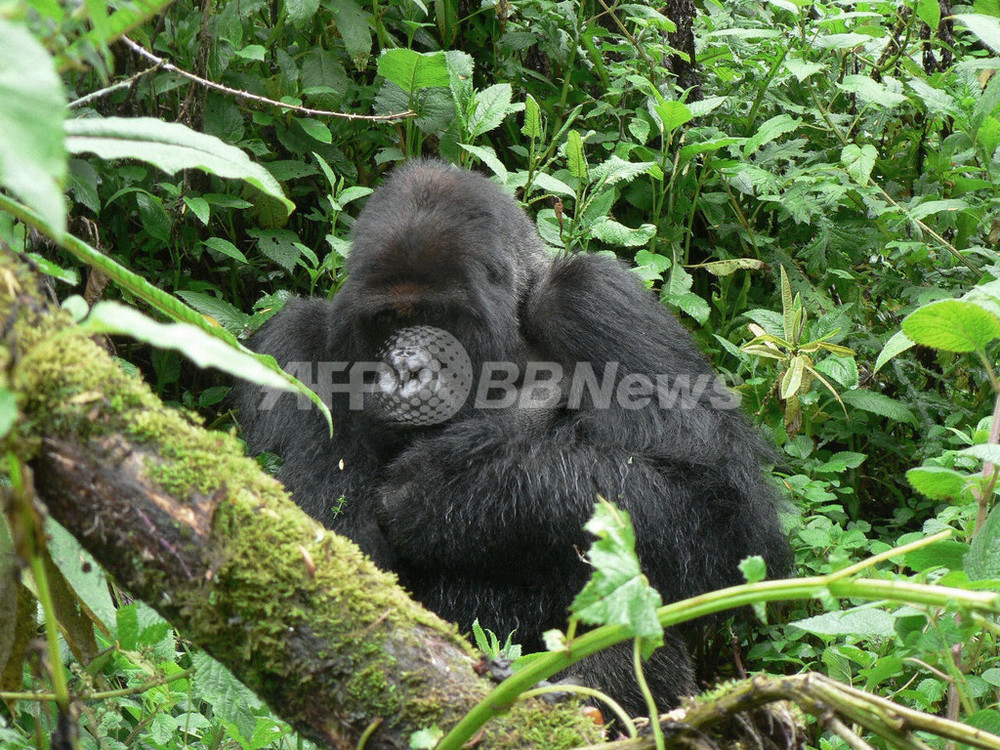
199 207
792 380
412 71
200 347
532 119
489 157
802 69
280 245
928 208
315 129
575 158
613 233
871 91
82 573
615 169
32 108
952 325
989 452
492 106
937 482
878 403
983 560
8 411
226 315
730 266
691 304
929 11
862 621
987 28
769 131
617 592
301 12
947 553
171 147
896 345
227 248
672 114
355 29
840 462
859 161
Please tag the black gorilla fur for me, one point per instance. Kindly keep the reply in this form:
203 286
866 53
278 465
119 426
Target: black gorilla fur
482 516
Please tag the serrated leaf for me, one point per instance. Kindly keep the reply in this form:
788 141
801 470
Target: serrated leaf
989 452
617 592
929 11
355 29
489 157
492 106
802 69
613 233
32 152
228 316
730 266
171 147
615 169
871 91
575 158
937 482
300 12
928 208
412 71
866 622
532 118
898 343
672 114
987 28
952 325
280 245
983 559
859 161
769 131
878 403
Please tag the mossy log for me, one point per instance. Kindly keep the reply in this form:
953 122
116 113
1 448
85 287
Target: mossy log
185 521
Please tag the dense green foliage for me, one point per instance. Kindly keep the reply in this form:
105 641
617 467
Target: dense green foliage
836 170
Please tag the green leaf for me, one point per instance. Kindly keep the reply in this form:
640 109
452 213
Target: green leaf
988 452
986 28
929 11
226 315
613 233
859 161
574 155
617 592
769 131
730 266
937 482
315 129
355 29
301 12
896 345
199 207
412 71
200 347
792 380
691 304
983 560
672 114
952 325
32 107
532 119
492 106
928 208
8 411
280 245
427 738
871 91
227 248
489 157
878 403
171 147
947 553
862 621
615 169
82 573
802 69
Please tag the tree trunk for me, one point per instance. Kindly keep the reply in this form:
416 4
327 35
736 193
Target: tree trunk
189 524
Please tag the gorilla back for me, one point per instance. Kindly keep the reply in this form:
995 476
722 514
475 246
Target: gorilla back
484 395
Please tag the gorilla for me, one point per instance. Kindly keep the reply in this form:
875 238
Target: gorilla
485 393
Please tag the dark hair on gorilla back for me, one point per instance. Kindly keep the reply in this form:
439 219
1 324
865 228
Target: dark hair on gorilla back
482 514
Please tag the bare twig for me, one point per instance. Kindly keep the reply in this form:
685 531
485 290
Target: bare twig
114 87
162 64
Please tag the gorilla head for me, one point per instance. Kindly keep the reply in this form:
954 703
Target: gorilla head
480 505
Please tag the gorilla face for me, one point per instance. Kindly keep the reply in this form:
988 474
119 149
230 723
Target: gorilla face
481 511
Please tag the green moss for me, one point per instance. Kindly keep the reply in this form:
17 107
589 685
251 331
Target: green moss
559 727
370 688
